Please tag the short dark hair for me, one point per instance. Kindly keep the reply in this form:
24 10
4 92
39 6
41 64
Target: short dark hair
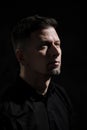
23 29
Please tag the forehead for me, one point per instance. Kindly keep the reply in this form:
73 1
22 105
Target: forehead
45 34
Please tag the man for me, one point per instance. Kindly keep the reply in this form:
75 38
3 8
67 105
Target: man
34 102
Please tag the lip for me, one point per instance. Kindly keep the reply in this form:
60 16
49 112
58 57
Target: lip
54 64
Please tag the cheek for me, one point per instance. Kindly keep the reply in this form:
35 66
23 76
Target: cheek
35 58
40 59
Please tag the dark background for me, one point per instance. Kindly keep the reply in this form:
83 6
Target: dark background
72 28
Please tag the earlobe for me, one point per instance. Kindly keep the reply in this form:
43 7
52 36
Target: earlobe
20 56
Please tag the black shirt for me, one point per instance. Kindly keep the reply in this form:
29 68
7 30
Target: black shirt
22 108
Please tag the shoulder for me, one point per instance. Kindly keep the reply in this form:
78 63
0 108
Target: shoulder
14 92
14 102
16 96
8 93
8 99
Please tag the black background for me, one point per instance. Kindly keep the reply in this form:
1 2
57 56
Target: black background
72 27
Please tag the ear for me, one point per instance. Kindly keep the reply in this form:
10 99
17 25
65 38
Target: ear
20 56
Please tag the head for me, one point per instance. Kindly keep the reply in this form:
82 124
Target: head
37 45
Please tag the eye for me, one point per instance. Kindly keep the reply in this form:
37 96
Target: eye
57 44
44 45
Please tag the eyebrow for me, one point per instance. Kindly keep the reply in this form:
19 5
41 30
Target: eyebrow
47 41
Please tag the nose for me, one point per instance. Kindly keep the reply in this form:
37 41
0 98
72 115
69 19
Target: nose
54 51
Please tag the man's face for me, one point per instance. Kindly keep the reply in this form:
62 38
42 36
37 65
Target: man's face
43 54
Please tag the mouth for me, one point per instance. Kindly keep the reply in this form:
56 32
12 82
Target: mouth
54 64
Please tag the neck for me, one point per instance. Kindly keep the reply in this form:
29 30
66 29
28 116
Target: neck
40 82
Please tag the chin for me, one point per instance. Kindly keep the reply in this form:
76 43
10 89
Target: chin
55 72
